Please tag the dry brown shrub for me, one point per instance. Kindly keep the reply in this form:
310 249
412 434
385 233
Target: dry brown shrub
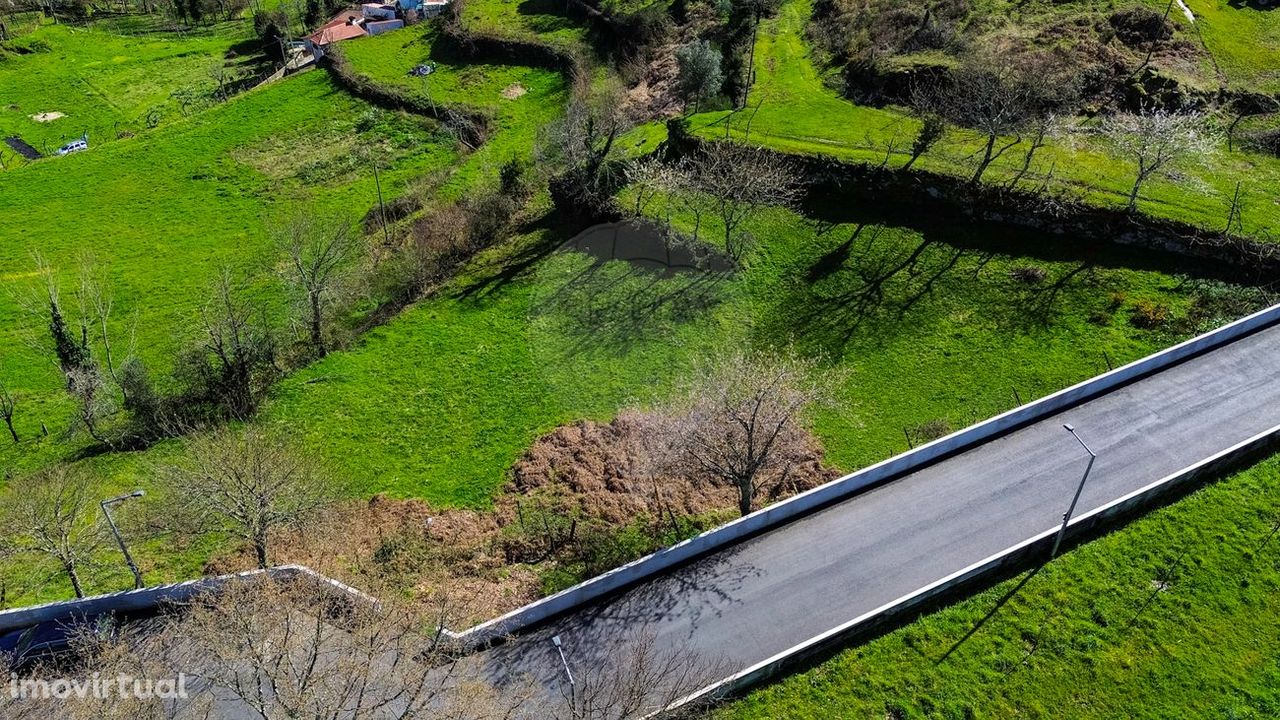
578 479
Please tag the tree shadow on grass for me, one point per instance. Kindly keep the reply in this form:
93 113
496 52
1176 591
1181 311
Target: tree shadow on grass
544 236
638 286
859 288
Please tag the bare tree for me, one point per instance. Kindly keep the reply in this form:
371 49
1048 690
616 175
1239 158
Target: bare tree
997 98
8 404
305 647
234 364
221 76
1155 141
247 485
583 145
53 513
648 179
82 346
738 183
742 419
282 648
318 247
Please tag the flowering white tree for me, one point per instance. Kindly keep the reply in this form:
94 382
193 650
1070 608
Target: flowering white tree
1156 140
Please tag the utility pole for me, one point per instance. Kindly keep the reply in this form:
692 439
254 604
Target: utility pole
1066 517
115 530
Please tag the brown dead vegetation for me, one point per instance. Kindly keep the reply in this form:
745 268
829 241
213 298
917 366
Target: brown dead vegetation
572 489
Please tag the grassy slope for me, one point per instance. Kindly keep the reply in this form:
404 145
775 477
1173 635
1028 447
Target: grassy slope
1090 635
1244 41
162 212
829 125
388 58
491 370
104 82
536 20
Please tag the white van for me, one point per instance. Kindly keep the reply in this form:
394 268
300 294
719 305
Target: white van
74 146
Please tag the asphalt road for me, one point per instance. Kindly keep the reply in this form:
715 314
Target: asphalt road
753 600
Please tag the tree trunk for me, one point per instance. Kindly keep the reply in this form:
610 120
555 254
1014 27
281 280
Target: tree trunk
317 329
8 421
1133 195
986 160
74 576
744 497
260 548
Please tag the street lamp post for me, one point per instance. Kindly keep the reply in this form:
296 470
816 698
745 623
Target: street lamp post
555 640
115 530
1066 517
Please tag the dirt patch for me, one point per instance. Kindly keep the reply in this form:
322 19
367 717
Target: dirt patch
513 91
571 492
610 472
654 95
47 116
1139 26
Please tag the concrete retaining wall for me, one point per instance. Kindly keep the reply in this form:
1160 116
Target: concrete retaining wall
153 598
849 485
1021 556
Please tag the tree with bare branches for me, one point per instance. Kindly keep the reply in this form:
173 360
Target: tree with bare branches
304 647
246 485
738 182
53 514
233 365
283 648
317 247
1155 141
742 419
583 148
999 99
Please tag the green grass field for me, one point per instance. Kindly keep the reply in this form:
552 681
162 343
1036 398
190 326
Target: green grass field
951 339
1243 38
440 401
162 212
522 99
106 83
787 79
536 20
1174 615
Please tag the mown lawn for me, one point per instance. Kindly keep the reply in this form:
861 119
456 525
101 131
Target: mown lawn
829 125
1176 615
107 83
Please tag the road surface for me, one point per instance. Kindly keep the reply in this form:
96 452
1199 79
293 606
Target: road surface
748 602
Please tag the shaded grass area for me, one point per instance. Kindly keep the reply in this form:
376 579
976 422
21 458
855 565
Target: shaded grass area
106 83
1174 615
788 79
